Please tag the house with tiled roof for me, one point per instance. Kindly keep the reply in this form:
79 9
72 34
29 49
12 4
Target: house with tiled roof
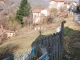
37 11
59 0
52 4
60 3
69 2
36 15
45 11
56 4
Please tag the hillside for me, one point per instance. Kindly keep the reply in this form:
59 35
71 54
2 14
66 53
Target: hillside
9 7
39 3
22 43
24 38
19 44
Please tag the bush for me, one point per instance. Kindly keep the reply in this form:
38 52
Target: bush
67 31
11 24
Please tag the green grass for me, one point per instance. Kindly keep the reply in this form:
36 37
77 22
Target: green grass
75 52
74 37
48 32
67 31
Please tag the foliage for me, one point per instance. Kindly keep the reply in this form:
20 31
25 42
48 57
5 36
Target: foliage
10 24
24 10
52 13
76 52
71 38
67 31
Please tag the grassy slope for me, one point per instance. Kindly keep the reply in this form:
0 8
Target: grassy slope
23 42
72 38
20 43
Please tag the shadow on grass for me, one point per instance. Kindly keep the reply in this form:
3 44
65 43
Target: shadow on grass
6 52
37 51
74 35
74 43
40 36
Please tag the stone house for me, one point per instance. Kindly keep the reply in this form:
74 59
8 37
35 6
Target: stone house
68 3
52 4
56 4
36 16
60 3
45 12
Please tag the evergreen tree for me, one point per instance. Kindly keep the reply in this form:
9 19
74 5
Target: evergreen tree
24 10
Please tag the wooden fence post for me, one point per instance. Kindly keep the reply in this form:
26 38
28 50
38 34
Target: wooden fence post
61 39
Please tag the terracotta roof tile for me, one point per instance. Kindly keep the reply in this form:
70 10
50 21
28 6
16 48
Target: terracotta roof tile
37 11
68 2
59 0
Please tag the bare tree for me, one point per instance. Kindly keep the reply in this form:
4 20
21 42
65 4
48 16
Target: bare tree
10 24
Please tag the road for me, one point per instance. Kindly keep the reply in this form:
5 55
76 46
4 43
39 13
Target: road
77 18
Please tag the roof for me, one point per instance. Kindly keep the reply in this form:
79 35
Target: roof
37 11
68 2
59 0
